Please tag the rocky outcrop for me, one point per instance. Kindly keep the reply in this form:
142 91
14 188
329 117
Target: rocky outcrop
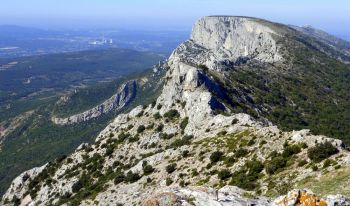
201 196
308 198
15 193
221 42
124 95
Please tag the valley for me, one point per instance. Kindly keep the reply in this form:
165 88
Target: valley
28 135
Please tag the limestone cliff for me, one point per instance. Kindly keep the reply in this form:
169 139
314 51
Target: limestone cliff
125 94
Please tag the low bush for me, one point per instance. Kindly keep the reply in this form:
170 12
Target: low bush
216 156
181 142
170 168
157 116
321 151
184 123
172 114
302 163
275 164
120 177
168 181
241 152
141 128
246 178
224 174
147 169
132 177
159 128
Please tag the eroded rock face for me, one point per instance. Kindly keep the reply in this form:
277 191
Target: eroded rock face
201 196
222 42
124 95
21 181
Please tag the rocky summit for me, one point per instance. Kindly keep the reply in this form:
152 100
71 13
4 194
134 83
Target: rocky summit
205 140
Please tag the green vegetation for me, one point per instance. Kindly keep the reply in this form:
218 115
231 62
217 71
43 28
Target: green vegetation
141 128
216 156
61 71
170 168
321 151
247 176
334 182
147 169
37 140
184 123
281 160
132 177
168 181
172 114
224 174
181 142
293 91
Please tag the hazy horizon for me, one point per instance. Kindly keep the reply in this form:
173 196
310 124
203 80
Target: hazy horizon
170 15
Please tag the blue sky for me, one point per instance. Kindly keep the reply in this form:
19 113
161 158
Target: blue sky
329 15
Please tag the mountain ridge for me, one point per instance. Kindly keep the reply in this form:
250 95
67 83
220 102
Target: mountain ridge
197 133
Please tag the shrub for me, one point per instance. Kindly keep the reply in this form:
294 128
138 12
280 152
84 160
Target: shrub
134 139
159 106
132 177
234 121
153 104
184 123
140 114
120 177
77 186
229 161
141 128
251 142
168 181
182 183
157 116
123 136
302 163
172 114
181 142
254 166
185 153
321 151
160 128
216 156
275 164
147 169
291 150
241 152
170 168
327 163
224 174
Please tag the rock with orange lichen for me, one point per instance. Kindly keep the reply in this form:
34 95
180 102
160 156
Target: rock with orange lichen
307 198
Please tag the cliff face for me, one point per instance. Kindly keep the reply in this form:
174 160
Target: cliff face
124 95
182 149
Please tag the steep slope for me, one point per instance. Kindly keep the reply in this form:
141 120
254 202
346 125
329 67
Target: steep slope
30 138
124 96
193 140
338 45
